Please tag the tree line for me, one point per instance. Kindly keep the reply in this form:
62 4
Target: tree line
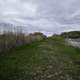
71 34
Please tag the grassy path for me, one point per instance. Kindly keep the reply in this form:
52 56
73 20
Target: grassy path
50 59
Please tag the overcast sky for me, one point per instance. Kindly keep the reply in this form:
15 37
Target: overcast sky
49 16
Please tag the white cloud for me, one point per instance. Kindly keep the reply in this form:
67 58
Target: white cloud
16 7
42 15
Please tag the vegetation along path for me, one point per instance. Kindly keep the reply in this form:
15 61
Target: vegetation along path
50 59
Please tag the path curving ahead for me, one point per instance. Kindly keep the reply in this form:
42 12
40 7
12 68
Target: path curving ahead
49 59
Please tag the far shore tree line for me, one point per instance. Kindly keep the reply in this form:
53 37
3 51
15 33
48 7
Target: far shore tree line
71 34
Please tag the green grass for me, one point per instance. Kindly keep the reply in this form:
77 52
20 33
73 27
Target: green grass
50 59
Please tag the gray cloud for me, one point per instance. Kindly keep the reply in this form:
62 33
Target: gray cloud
48 16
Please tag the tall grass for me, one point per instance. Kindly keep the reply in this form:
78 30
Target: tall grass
9 40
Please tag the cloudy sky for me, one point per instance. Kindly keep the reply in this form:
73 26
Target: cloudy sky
48 16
